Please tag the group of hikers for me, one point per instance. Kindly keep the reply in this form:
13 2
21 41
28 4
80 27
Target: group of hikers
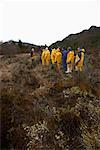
58 58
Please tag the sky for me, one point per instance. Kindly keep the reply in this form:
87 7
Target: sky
46 21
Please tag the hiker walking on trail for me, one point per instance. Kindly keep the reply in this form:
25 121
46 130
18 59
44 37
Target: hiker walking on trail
45 57
79 59
33 56
70 60
58 59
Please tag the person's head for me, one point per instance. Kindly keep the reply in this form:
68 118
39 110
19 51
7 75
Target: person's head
46 48
83 50
78 49
63 49
58 49
69 48
32 49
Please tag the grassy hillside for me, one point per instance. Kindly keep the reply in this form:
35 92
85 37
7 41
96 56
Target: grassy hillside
42 109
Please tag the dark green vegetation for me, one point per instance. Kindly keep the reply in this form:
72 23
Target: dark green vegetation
42 109
87 38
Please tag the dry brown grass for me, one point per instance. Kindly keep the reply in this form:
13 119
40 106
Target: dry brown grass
58 109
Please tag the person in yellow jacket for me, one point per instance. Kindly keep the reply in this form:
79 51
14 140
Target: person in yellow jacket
79 59
58 58
53 56
70 60
33 56
53 53
45 57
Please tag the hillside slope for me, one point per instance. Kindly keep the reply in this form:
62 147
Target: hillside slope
42 109
13 47
90 39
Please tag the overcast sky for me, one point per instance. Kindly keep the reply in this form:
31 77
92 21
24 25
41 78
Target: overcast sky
44 22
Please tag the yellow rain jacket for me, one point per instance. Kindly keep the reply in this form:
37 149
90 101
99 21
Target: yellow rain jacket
70 57
53 56
47 57
80 61
70 61
58 59
43 57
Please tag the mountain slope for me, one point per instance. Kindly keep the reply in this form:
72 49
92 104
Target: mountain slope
42 109
87 38
90 39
